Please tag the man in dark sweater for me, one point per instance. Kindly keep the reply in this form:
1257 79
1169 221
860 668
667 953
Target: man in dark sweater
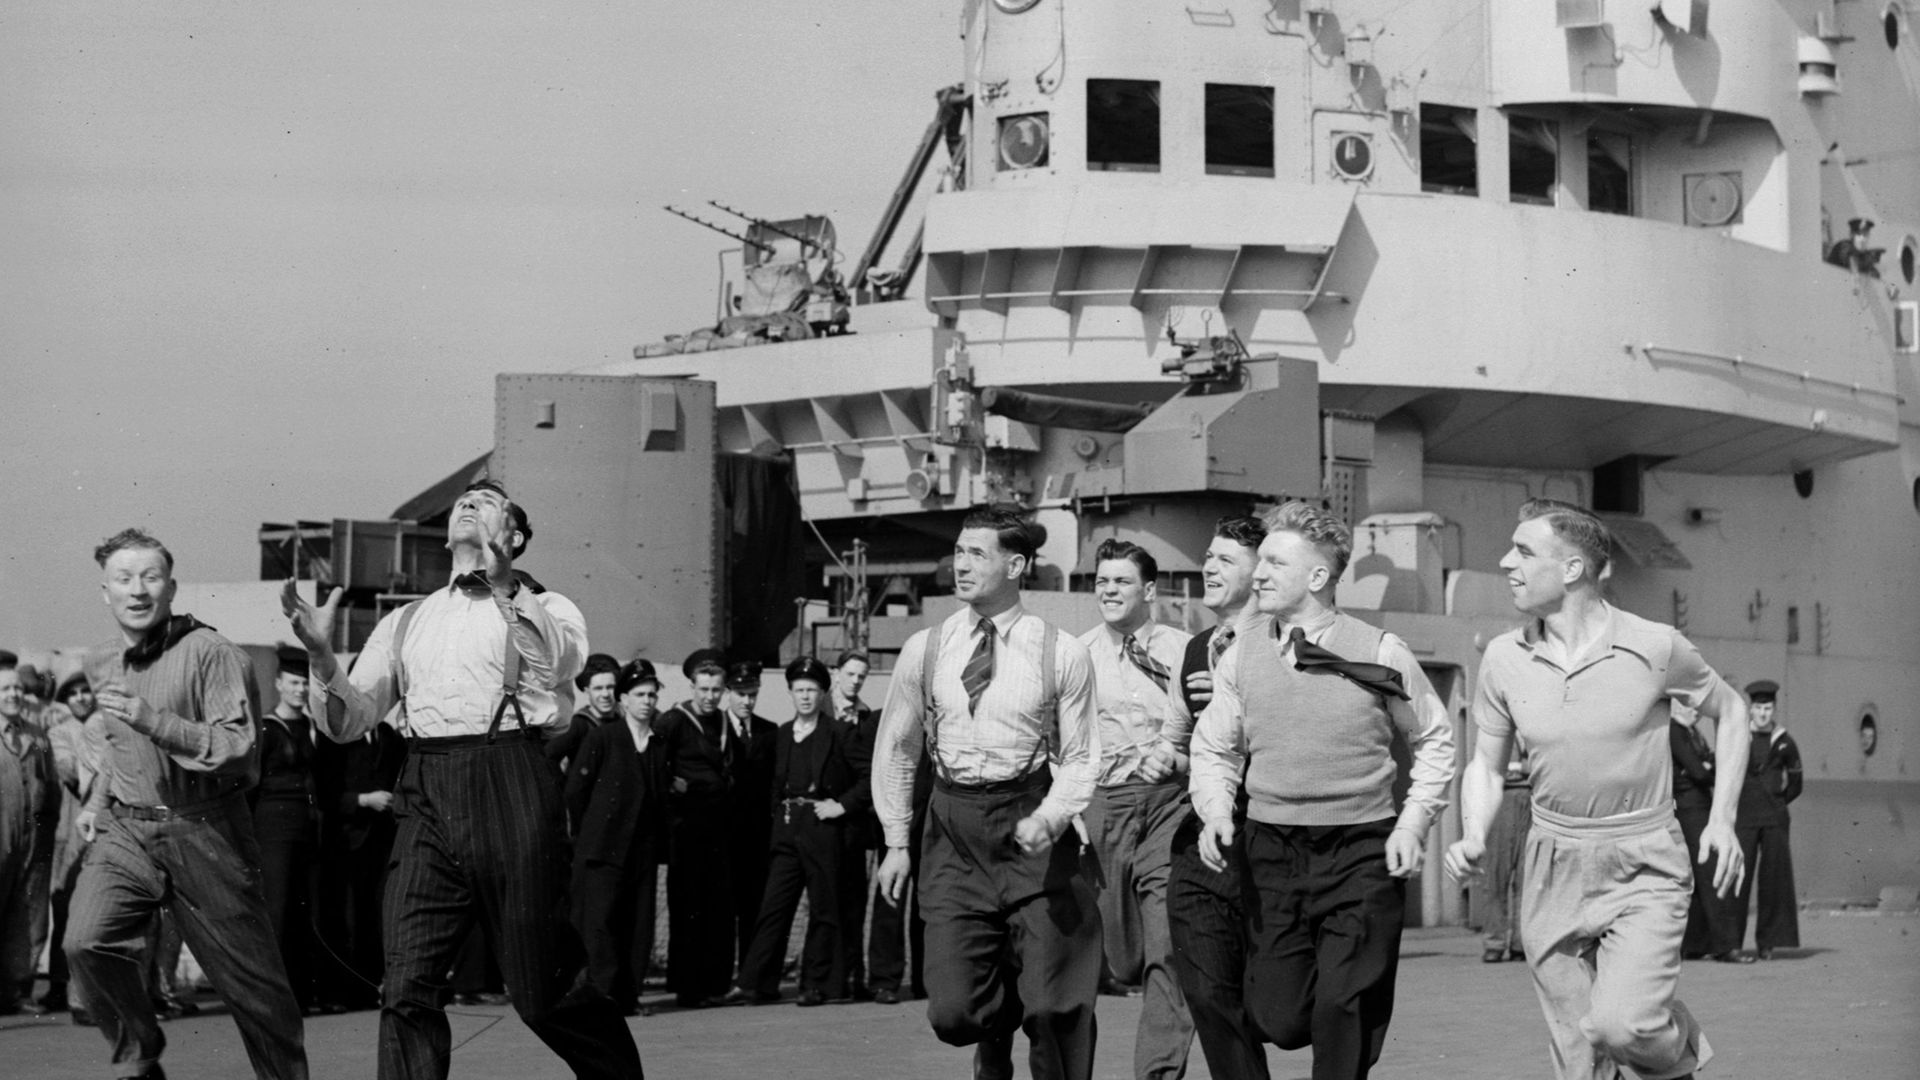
1773 781
1308 707
1205 907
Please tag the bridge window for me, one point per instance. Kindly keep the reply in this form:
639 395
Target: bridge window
1533 159
1609 172
1123 125
1449 162
1239 130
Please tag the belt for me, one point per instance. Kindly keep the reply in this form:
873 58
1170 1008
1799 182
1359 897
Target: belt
1614 827
447 744
168 813
1038 778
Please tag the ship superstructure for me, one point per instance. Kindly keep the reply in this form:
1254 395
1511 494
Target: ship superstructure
1157 262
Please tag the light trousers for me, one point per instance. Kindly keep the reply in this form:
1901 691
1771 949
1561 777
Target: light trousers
1602 917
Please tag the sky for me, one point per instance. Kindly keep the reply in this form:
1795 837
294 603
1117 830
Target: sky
262 262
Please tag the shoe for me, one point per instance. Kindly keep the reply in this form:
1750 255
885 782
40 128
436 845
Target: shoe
154 1072
53 1001
1494 956
993 1058
468 1000
1735 956
886 997
690 1001
81 1018
495 999
1766 954
35 1008
810 998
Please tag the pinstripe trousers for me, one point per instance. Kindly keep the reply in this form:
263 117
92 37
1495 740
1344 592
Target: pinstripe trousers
205 869
482 834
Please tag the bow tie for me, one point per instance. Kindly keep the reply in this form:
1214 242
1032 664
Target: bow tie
473 581
1378 678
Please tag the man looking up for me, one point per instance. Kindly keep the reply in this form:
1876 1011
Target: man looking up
1003 703
1586 688
1139 799
483 832
169 824
1206 917
1308 708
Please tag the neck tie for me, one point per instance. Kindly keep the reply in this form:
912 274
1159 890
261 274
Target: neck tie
1137 654
1378 678
979 670
1217 646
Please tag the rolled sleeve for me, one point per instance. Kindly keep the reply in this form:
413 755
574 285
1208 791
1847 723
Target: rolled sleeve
348 706
897 743
1428 729
1219 747
1077 757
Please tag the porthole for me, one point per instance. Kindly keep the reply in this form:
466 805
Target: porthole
1908 256
1803 482
1916 496
1869 732
1892 24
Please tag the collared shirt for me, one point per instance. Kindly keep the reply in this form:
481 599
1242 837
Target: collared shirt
641 735
1135 713
455 657
1595 734
204 739
1220 740
1011 732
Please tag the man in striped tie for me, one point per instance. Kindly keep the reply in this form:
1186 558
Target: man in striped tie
1140 798
1004 704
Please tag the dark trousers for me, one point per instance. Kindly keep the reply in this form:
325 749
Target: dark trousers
1132 827
26 871
1770 872
700 937
747 863
1324 941
806 856
856 889
61 893
205 870
1013 940
1206 921
614 906
1499 899
349 921
1711 928
482 836
284 831
898 929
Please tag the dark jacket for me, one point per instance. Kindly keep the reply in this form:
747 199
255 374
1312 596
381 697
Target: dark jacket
616 797
1773 779
1692 768
841 760
717 768
561 748
342 772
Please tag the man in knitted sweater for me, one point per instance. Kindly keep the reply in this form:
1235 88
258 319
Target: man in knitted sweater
1308 708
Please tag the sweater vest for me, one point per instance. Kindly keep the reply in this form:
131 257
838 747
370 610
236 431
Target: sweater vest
1319 746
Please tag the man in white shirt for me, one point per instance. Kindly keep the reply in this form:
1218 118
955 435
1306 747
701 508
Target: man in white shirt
1140 798
477 669
1004 704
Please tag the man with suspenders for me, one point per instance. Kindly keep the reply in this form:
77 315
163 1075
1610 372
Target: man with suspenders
479 670
1004 704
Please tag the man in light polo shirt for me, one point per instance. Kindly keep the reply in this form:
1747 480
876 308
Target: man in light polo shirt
1586 688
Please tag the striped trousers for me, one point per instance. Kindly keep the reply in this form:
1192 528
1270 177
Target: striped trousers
205 869
482 834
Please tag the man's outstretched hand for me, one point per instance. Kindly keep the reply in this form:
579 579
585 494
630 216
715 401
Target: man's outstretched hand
312 626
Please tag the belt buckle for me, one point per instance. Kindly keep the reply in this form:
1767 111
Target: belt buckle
786 811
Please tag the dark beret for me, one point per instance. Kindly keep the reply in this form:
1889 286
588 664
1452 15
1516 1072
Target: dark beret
701 657
293 661
597 664
640 671
1763 690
